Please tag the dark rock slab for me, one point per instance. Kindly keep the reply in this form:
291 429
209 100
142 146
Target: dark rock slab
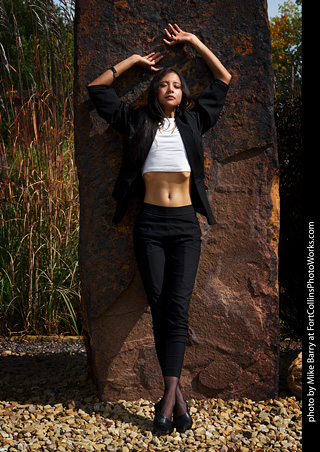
233 348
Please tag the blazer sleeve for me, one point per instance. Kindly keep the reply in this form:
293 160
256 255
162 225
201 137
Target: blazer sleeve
209 104
110 107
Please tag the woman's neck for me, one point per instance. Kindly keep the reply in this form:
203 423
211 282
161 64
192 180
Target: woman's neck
170 113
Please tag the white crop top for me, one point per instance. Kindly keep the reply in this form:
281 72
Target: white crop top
167 152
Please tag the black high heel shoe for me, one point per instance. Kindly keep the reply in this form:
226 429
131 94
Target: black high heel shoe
161 422
183 422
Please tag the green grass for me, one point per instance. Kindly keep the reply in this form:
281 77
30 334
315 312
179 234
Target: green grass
39 278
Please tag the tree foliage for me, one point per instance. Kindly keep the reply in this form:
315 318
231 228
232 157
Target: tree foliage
286 41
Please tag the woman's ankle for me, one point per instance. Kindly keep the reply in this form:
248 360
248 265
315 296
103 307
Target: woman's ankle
167 404
180 405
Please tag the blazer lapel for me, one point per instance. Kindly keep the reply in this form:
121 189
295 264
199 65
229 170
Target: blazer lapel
190 144
146 147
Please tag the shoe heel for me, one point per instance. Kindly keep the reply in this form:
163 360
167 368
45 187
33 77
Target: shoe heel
161 423
183 422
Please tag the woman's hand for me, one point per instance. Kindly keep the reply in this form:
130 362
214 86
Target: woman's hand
177 36
149 61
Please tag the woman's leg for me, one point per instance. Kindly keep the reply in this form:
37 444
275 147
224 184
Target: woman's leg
151 262
182 259
152 265
167 250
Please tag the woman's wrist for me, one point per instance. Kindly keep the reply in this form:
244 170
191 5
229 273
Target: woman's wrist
126 64
194 40
197 44
134 59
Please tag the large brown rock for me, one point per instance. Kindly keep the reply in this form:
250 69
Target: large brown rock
294 378
233 346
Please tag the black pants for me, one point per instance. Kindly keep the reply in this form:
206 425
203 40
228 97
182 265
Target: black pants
167 243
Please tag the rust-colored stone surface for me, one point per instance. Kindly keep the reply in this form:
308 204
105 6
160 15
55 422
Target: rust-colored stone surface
294 378
233 347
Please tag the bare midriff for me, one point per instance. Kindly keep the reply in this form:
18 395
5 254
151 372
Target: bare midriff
169 189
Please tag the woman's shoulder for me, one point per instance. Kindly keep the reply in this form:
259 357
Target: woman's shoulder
208 105
139 113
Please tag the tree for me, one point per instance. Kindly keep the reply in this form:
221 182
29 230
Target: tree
286 37
286 41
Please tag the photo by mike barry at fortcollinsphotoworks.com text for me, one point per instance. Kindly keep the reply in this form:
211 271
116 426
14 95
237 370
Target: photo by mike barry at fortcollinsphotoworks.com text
310 391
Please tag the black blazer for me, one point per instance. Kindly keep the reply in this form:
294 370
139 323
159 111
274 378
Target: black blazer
192 125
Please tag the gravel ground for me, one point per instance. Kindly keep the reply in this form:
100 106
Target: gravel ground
47 404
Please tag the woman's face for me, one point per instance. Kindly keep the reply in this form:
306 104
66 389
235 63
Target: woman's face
170 93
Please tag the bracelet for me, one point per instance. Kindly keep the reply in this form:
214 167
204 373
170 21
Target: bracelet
115 73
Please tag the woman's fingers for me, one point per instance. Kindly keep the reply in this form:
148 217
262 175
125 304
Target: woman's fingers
151 60
171 37
156 61
175 29
178 28
153 68
154 57
151 54
176 35
172 29
159 58
167 33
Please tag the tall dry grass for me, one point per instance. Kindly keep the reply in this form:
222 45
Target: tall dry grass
39 278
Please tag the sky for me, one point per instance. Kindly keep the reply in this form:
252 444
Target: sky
273 7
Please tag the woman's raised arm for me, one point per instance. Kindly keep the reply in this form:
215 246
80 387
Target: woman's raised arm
177 36
147 62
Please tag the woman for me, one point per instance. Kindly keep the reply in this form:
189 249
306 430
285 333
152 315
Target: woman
162 141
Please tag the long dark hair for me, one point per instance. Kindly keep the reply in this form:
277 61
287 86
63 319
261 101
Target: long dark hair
155 114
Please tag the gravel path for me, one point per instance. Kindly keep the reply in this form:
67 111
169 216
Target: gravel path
47 404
